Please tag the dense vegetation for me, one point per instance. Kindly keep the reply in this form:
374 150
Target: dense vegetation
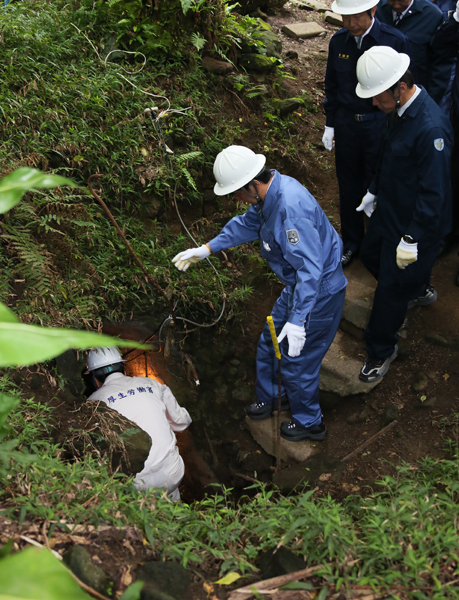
67 109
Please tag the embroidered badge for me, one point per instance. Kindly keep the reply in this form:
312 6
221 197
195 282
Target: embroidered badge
293 237
266 247
439 144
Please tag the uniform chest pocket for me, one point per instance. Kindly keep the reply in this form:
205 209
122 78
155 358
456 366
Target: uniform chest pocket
401 150
343 65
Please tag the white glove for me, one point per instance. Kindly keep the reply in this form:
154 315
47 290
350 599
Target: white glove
296 336
456 14
184 259
328 139
406 254
367 204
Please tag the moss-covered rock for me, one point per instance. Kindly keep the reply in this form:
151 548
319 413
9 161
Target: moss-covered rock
256 63
270 41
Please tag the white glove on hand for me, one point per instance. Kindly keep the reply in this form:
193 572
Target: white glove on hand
184 259
406 254
456 14
296 336
367 204
328 139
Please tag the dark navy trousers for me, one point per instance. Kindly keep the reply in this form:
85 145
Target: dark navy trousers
300 375
396 287
357 147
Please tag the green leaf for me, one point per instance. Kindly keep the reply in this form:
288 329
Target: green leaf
229 578
14 185
6 315
297 585
23 345
133 591
36 574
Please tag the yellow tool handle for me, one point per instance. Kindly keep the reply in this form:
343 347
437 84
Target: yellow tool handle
273 336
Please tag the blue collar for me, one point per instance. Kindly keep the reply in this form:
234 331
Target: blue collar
413 109
374 32
270 199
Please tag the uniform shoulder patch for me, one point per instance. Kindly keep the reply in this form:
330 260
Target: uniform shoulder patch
293 237
439 144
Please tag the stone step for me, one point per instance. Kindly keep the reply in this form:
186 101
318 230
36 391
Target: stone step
265 434
303 30
339 373
311 5
359 295
334 19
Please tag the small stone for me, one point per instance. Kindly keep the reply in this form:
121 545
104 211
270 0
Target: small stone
242 394
311 5
232 371
35 382
235 362
291 54
404 348
285 107
439 340
279 561
302 30
164 580
420 383
218 67
78 560
352 419
257 63
363 416
390 414
334 19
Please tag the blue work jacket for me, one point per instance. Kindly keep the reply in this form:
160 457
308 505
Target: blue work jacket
341 76
296 239
419 25
413 178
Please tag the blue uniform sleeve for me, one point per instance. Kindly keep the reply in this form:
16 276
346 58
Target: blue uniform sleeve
241 229
306 258
432 166
440 73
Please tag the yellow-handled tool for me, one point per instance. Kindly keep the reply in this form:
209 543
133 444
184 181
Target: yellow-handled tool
278 356
273 336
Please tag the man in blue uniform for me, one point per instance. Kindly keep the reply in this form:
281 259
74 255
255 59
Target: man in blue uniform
418 20
413 190
304 251
354 124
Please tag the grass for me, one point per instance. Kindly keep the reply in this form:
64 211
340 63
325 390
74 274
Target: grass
402 539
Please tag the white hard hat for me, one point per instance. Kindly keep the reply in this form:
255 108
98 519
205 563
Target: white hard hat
378 69
102 357
352 7
235 167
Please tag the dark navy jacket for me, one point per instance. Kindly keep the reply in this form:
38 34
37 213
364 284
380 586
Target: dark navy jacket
341 76
419 25
413 178
445 43
297 240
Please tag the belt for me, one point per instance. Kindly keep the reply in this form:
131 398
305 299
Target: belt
369 116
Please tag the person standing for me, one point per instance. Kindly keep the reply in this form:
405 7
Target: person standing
352 123
419 20
413 208
304 251
152 407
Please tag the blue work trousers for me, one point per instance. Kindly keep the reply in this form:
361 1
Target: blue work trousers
357 147
396 287
300 375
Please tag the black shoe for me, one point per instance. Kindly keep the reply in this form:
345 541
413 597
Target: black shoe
374 370
428 297
293 432
347 258
262 410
